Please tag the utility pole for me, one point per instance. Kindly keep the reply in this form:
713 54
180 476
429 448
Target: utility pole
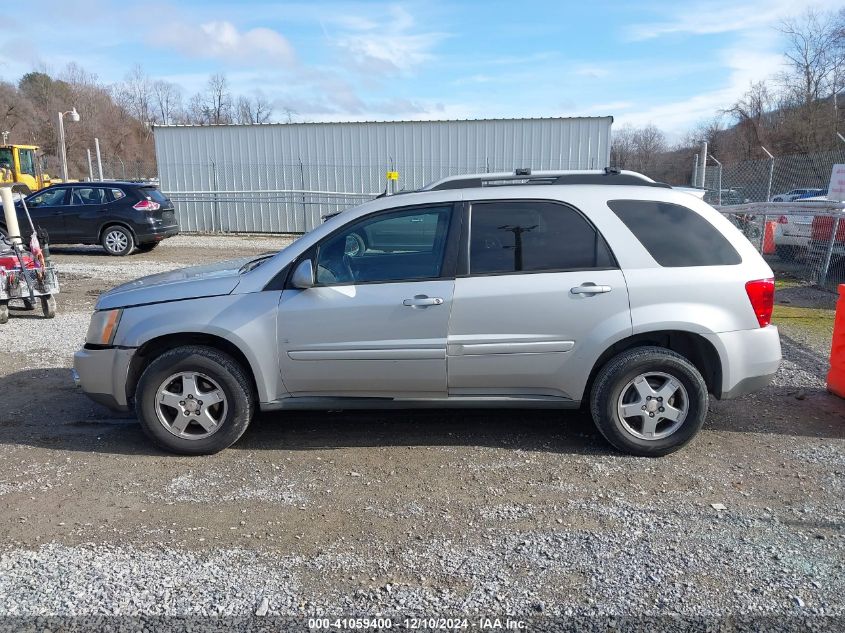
74 116
99 160
702 164
90 166
719 182
771 173
517 241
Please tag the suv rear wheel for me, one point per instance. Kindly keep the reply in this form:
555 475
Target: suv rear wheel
194 400
117 240
649 401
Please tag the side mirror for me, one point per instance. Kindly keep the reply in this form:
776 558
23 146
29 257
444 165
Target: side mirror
303 275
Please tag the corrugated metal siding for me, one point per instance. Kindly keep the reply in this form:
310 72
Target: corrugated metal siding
352 158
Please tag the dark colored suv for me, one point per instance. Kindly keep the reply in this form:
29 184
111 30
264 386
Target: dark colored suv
118 215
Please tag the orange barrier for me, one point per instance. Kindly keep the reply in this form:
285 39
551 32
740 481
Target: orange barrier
836 375
769 238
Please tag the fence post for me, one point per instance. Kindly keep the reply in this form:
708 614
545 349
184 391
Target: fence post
829 254
763 234
771 173
695 172
304 206
216 199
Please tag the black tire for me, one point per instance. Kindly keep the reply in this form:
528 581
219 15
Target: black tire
4 312
222 369
146 248
117 240
616 375
48 306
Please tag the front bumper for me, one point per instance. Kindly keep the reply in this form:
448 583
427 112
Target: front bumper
750 359
102 375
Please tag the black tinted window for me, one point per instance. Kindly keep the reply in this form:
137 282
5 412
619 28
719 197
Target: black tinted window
675 235
532 236
88 195
154 194
398 246
49 198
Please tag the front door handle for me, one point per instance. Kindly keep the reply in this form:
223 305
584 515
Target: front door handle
589 288
422 300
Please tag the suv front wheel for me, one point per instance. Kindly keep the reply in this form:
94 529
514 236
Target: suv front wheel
194 400
648 401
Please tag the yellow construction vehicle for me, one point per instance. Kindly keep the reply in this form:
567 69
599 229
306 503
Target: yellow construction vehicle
18 163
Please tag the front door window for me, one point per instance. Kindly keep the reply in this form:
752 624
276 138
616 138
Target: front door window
398 246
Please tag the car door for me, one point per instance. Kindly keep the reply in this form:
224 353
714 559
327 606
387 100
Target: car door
536 303
84 214
47 209
375 323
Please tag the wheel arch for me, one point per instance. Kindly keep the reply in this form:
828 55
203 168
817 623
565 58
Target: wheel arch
120 223
692 346
150 350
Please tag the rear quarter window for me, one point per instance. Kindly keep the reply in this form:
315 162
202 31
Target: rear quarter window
674 235
154 194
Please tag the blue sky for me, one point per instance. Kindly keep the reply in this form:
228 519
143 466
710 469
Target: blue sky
670 63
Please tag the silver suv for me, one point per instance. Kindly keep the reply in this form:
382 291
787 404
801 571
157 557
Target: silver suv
597 289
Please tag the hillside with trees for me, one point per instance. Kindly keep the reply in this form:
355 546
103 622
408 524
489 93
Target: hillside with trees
797 111
120 115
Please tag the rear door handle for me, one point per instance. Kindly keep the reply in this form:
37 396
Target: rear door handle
422 300
589 289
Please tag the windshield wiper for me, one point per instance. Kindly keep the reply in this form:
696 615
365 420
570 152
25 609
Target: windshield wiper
255 263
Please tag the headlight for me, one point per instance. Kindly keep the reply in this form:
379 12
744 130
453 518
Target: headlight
103 327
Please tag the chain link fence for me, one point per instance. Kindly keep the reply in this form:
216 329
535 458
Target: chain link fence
778 179
806 244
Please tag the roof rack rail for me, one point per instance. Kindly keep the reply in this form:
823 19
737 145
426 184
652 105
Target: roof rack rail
605 176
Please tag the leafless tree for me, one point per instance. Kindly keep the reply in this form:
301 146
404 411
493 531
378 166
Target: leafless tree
218 100
254 110
167 101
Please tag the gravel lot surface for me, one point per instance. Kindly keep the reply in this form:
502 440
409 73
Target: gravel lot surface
450 513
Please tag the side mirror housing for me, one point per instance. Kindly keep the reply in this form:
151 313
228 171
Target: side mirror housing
303 275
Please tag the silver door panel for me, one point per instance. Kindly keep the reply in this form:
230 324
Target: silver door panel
530 334
363 341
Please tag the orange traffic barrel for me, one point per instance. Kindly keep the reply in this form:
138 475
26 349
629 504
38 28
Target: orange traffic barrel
769 238
836 375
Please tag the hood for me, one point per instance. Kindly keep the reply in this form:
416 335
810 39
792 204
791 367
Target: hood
209 280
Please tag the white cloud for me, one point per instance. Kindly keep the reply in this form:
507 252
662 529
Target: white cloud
222 40
388 47
724 16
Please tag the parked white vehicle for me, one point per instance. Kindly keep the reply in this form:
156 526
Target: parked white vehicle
795 194
793 233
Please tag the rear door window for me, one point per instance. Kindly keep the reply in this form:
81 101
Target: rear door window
532 236
674 235
88 196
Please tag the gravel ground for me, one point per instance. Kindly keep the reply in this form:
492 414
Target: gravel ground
427 513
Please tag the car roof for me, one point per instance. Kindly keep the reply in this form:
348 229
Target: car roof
101 183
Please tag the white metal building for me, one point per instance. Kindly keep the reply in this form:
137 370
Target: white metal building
284 177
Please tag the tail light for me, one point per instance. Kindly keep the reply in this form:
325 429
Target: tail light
761 293
146 205
782 220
